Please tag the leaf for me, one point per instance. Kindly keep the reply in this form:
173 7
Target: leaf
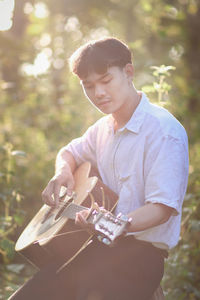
148 89
188 196
162 70
18 153
195 225
5 221
7 247
16 268
3 196
19 219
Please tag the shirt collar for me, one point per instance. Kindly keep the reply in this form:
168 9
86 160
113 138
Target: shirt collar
138 116
135 122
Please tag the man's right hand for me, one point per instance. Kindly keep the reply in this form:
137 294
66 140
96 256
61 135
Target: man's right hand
50 195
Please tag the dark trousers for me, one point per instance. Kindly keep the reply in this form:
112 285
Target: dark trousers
131 270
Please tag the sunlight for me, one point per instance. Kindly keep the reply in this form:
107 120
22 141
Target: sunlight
99 33
6 14
28 8
40 66
72 24
41 10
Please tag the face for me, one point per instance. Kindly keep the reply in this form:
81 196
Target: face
109 92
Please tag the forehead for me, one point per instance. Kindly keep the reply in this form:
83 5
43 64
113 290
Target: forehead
93 76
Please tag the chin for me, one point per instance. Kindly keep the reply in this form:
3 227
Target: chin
106 111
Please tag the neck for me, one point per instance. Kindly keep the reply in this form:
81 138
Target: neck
123 115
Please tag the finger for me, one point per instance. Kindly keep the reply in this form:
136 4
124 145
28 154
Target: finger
102 209
78 219
85 214
56 194
70 185
81 218
47 195
81 221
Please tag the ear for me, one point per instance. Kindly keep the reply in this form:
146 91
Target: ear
129 70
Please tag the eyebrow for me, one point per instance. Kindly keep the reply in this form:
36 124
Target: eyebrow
100 78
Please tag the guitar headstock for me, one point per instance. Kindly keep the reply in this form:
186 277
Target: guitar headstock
109 227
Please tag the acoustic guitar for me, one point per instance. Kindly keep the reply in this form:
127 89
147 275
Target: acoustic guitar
52 231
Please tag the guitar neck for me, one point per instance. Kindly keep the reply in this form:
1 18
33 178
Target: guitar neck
107 226
71 210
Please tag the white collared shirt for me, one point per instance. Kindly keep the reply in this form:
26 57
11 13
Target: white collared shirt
145 161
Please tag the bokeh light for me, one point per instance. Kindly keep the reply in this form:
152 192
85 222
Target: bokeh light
6 14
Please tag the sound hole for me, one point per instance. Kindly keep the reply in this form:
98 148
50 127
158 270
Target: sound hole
64 205
48 214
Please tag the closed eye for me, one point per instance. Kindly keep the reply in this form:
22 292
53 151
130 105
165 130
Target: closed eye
103 80
106 81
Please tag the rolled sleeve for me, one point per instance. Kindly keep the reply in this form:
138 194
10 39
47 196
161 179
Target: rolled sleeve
166 173
84 148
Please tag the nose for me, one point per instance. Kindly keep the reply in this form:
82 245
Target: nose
99 92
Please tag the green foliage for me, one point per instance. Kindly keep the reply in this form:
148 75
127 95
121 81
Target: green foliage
161 87
10 201
12 277
184 261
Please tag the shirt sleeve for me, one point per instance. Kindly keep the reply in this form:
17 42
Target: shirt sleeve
166 172
84 147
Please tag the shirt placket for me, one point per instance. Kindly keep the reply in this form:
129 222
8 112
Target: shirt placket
117 142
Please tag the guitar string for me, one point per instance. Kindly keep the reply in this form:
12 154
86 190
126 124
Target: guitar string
63 204
60 207
69 232
71 200
59 234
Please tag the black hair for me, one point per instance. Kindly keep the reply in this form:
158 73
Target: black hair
97 56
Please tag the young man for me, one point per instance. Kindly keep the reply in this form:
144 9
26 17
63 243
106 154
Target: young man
141 153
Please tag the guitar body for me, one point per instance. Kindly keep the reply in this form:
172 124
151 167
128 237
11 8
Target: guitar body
51 233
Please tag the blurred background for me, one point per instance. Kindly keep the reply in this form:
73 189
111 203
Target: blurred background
42 107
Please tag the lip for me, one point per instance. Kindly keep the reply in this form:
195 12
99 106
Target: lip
103 103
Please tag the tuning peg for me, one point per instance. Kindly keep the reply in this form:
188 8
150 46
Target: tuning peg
124 218
119 215
104 240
